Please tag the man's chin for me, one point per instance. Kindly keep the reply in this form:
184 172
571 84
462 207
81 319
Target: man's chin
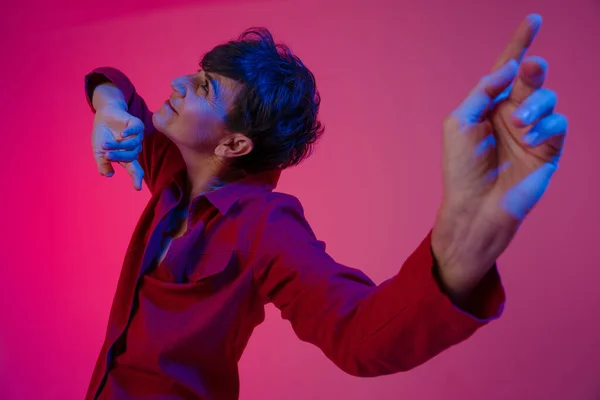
159 122
163 124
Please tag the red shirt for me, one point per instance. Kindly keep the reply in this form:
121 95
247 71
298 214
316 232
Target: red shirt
178 329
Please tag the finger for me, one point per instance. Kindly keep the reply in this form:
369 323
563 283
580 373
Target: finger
137 174
123 155
521 198
105 167
551 130
520 41
135 171
531 76
134 127
539 105
517 47
130 143
478 102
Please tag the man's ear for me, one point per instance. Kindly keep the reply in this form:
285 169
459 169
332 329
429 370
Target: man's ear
234 145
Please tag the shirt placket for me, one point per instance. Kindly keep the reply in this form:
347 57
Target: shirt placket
176 262
147 261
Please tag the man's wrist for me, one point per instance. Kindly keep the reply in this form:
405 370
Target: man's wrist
107 95
456 292
463 254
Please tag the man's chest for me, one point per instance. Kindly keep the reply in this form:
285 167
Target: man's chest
187 247
177 227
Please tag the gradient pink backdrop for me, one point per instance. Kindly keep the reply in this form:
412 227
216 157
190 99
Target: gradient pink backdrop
388 72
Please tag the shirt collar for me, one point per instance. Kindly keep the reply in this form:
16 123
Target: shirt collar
226 197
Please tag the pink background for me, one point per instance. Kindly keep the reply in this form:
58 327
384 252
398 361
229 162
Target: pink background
389 72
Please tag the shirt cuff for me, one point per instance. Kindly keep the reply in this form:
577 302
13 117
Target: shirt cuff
484 304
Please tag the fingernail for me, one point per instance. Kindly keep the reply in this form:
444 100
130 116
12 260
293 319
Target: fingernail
525 116
531 138
110 174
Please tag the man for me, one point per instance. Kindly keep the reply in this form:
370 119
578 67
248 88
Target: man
215 243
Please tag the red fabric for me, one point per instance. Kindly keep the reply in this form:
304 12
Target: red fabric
177 330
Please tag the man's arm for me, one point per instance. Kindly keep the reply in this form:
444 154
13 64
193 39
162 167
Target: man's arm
108 95
159 156
365 329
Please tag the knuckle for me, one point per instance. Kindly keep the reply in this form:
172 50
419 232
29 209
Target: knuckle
557 123
549 94
484 81
563 121
450 122
138 123
539 60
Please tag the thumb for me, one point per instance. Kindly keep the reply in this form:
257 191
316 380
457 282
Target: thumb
521 198
134 127
482 97
134 169
105 167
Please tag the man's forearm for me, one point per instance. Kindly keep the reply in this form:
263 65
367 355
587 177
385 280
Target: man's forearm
108 94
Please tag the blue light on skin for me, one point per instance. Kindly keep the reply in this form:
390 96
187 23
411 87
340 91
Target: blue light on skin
488 143
521 198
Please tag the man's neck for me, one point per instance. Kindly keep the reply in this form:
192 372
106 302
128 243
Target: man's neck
206 174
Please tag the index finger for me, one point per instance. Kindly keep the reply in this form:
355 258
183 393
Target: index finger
521 40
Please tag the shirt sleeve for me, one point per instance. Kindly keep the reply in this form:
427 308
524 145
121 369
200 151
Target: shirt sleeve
365 329
159 157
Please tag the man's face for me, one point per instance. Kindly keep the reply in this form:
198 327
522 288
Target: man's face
194 115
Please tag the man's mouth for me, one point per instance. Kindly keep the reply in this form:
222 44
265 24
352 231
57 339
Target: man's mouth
168 103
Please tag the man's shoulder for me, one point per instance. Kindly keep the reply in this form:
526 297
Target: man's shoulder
268 201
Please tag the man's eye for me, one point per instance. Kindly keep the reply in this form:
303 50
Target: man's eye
203 86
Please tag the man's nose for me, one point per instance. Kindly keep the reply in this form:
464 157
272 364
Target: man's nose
178 86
